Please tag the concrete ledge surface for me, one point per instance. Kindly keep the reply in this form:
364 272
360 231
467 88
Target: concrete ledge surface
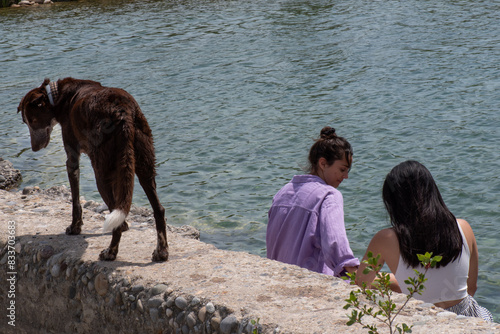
61 287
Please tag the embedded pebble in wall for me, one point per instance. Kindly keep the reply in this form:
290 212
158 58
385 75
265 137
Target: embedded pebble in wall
139 306
210 308
191 320
181 303
157 289
154 314
101 284
55 270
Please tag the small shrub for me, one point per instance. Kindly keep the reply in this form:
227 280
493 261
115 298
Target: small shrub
381 305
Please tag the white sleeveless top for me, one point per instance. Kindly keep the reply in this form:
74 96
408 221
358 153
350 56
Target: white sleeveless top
444 283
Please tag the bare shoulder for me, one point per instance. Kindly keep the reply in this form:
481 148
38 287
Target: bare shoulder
469 235
467 229
464 225
385 236
384 242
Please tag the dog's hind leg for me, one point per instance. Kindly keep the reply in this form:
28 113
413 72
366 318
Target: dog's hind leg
109 254
116 218
145 170
118 207
115 181
148 183
73 169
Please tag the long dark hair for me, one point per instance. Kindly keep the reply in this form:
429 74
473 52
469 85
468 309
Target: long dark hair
331 147
420 218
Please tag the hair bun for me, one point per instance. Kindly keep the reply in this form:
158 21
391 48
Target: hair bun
328 133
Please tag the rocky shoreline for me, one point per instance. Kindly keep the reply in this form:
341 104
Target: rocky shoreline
201 289
9 176
24 3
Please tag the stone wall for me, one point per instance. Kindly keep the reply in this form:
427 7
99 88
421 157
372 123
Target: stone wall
61 287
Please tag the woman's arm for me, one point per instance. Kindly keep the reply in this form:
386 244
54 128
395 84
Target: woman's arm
333 237
385 243
474 256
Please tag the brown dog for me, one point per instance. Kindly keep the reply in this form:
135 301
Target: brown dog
107 125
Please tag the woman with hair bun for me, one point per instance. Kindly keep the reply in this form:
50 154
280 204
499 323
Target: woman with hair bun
306 219
421 222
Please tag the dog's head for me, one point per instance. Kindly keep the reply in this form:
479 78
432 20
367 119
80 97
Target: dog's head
38 113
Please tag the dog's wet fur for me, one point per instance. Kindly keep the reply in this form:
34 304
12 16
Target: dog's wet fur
107 125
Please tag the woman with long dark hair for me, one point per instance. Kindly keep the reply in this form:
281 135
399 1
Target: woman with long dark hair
422 223
306 219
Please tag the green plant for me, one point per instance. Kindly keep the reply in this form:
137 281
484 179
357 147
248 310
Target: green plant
381 305
255 324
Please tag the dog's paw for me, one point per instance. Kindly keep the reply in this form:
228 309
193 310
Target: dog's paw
160 255
107 255
73 230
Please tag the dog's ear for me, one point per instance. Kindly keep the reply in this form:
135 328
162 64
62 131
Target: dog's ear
37 101
45 83
19 108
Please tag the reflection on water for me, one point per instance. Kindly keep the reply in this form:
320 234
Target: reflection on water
235 91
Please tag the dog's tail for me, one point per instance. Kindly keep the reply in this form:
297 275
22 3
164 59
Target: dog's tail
122 178
114 220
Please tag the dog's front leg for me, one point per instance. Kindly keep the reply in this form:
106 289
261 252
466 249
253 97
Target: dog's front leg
73 169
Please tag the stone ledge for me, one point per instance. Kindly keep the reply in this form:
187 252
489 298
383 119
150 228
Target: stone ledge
61 287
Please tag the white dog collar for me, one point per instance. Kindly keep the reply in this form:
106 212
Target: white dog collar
51 89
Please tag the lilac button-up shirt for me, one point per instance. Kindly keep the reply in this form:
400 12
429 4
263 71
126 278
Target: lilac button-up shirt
306 227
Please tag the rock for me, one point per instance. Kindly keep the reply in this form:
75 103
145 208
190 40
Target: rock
101 284
153 313
9 176
90 204
58 191
137 288
155 302
170 301
186 231
30 190
202 313
118 299
139 306
181 303
157 289
215 322
101 208
54 259
55 270
446 314
191 320
46 252
180 317
210 308
228 324
72 292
